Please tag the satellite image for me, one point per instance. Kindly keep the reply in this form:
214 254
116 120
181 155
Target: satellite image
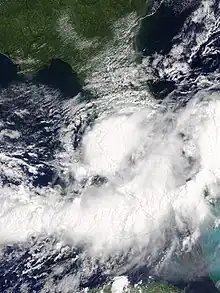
109 146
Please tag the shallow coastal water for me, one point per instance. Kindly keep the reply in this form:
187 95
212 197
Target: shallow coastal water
117 179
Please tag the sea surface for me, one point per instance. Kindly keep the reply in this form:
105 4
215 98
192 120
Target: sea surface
122 179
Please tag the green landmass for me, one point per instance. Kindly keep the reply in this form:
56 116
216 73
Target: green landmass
141 288
34 31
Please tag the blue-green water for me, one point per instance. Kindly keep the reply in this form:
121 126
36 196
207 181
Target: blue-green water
109 152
